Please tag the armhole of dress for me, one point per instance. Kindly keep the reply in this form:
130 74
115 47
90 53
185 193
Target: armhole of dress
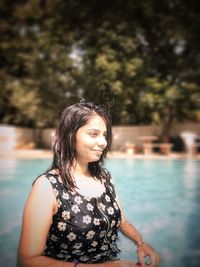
54 189
109 183
53 185
45 176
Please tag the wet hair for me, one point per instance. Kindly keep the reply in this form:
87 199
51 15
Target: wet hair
64 147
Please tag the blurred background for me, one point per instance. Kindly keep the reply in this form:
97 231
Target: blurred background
141 61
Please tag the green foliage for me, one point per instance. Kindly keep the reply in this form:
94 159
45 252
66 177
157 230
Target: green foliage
36 70
140 58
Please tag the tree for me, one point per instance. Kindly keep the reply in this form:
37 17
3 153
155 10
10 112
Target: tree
36 69
142 56
171 87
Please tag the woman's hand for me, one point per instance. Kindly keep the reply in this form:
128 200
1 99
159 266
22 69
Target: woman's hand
147 256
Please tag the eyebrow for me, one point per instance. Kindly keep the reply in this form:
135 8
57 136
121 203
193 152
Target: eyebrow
97 130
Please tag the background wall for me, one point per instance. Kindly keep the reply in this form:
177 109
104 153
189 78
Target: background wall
16 137
25 138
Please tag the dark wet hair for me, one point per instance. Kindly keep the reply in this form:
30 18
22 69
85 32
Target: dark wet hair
64 147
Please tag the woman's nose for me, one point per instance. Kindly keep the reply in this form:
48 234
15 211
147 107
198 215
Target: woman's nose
102 141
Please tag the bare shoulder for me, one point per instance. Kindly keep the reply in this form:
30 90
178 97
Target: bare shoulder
42 183
43 191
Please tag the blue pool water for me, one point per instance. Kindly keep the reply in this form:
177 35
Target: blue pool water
161 198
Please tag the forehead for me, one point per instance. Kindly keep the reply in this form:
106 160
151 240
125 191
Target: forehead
95 122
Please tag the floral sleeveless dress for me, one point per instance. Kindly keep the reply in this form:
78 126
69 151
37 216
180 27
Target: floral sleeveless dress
85 229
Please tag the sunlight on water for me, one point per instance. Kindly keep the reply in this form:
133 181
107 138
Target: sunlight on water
160 198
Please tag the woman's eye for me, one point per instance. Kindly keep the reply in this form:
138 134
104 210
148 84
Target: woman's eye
93 134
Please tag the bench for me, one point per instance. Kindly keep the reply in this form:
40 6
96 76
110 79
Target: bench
165 148
130 148
195 148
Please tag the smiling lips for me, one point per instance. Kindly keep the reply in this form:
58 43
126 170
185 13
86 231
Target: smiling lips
98 151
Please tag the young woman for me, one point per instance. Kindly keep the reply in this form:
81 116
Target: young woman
72 215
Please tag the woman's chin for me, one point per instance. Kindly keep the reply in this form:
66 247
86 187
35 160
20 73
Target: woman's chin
95 159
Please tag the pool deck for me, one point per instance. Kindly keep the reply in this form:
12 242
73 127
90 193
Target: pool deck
47 154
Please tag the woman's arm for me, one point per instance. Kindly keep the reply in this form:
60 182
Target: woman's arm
143 249
128 229
37 218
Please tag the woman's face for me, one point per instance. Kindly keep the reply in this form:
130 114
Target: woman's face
91 140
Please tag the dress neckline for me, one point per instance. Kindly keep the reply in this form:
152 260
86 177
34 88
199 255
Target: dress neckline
75 192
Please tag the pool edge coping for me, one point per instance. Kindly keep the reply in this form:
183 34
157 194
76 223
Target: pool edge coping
44 153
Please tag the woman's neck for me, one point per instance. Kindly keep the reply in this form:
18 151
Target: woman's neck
80 168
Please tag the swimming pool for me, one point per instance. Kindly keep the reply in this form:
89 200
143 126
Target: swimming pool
161 198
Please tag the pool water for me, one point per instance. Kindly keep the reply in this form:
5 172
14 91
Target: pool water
161 198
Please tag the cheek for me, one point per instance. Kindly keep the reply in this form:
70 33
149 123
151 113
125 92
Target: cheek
85 143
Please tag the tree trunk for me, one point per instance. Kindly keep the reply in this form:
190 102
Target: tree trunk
38 137
166 124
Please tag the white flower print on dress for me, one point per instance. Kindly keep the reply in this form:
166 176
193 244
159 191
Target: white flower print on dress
90 207
104 247
110 187
104 253
67 256
75 208
71 236
98 256
54 238
94 243
114 237
118 224
91 249
90 234
109 233
115 205
66 215
107 198
102 233
61 226
112 223
59 203
77 245
64 246
96 221
87 219
110 211
78 200
81 207
102 206
76 251
65 195
55 192
52 179
84 258
63 251
87 198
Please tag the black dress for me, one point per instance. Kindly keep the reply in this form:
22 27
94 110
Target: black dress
84 229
